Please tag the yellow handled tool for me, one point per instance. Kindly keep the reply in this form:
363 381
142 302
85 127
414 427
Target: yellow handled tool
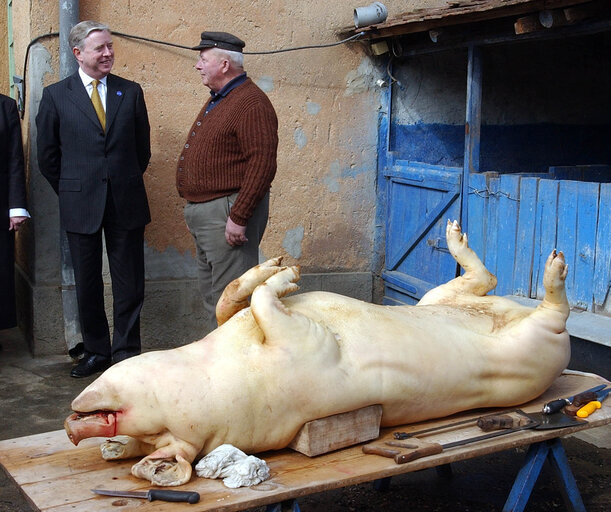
589 408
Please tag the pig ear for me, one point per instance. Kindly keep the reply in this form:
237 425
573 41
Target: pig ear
163 472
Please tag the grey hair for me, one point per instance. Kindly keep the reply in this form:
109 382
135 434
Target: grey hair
235 58
81 30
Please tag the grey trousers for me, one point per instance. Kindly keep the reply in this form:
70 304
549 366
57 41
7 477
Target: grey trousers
218 263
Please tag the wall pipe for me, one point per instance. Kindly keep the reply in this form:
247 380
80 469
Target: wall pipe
68 17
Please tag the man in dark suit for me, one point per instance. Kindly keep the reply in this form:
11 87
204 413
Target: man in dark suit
93 148
12 204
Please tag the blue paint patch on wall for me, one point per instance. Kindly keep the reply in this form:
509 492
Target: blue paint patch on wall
300 138
332 179
512 148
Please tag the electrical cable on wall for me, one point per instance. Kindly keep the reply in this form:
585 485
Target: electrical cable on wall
130 36
21 101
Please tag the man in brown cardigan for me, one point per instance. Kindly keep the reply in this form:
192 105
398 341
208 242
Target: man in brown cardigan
226 168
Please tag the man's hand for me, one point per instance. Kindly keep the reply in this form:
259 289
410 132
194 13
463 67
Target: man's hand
235 234
16 222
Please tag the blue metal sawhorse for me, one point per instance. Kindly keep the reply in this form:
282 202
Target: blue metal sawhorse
522 487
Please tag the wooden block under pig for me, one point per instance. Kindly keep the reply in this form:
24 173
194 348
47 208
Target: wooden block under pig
338 431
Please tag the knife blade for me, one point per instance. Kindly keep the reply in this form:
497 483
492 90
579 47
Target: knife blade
153 494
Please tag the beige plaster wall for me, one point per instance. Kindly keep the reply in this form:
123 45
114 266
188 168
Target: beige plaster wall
324 195
4 76
323 198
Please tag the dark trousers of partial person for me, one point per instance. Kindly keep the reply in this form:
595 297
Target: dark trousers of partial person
125 251
7 279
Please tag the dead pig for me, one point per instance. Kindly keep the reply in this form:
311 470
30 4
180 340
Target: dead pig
271 367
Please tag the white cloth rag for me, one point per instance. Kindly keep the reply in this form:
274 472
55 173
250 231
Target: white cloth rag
232 465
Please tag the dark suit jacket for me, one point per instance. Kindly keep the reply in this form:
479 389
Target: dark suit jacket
12 195
12 178
78 158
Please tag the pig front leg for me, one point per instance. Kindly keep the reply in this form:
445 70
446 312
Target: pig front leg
235 296
165 472
124 447
170 464
476 280
283 327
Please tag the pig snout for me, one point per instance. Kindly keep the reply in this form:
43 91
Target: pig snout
81 426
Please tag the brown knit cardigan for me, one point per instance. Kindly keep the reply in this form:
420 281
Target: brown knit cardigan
231 149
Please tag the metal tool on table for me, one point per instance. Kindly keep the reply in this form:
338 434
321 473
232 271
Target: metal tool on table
421 448
153 494
577 400
555 420
522 421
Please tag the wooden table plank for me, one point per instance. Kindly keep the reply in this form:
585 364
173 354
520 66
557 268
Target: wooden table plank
57 477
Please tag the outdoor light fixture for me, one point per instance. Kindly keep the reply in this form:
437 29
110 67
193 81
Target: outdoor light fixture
370 15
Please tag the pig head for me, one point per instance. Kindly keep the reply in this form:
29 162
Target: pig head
280 362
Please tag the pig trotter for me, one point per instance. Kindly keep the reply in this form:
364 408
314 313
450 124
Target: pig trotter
554 277
476 279
124 447
163 472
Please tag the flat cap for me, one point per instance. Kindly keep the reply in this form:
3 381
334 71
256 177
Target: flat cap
221 40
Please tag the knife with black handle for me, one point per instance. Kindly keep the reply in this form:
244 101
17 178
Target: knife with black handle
153 494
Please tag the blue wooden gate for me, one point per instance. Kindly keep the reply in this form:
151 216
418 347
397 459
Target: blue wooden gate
420 198
515 220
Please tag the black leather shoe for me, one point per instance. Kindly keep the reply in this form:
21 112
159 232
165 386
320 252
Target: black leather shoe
90 364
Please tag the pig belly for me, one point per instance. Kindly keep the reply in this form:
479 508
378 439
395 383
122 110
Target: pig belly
394 357
387 355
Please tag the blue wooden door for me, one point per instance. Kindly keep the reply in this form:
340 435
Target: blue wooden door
420 199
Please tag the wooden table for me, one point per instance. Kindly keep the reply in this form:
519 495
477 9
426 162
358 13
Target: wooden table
56 476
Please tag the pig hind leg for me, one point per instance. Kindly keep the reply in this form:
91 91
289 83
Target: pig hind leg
555 300
476 280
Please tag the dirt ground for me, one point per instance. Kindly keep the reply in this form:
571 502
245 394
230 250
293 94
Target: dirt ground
35 396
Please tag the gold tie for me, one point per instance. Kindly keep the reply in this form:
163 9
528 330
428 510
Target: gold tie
97 104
